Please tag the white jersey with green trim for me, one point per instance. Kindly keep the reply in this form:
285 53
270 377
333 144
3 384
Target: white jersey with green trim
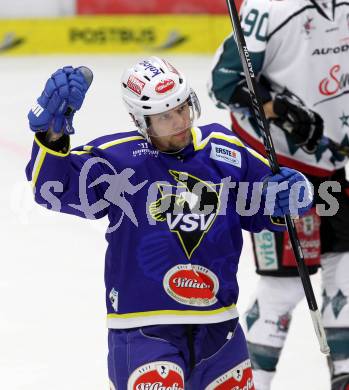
302 45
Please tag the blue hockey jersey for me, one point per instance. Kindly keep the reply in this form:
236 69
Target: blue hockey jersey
175 219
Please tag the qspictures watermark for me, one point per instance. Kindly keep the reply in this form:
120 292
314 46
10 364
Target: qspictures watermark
193 199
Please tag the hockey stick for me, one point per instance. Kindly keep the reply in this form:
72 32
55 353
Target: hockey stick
335 147
271 155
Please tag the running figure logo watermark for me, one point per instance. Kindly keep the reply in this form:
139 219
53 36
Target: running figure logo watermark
189 207
118 185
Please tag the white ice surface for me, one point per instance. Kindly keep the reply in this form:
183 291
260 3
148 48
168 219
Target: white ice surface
52 319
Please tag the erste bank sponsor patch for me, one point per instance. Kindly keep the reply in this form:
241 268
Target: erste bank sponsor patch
225 154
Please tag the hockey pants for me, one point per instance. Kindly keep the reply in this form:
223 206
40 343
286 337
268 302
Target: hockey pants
176 357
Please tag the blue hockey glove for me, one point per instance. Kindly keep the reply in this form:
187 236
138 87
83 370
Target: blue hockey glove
287 192
63 94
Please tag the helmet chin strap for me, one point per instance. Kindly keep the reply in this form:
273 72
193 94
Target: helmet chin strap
145 134
142 123
173 151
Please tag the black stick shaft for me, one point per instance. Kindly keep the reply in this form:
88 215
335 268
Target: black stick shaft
271 155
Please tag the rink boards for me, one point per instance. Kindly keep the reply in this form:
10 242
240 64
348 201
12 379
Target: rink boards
114 34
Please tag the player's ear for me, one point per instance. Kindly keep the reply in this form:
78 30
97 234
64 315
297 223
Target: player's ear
134 120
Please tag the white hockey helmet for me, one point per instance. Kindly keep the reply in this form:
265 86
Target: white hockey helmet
154 86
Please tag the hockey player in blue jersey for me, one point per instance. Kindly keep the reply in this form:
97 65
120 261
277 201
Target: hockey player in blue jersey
174 195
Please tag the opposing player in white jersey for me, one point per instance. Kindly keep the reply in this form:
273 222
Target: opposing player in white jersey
299 51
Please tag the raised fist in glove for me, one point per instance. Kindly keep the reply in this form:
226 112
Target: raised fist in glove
63 94
287 192
304 125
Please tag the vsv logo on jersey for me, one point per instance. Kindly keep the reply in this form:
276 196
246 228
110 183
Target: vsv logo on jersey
225 154
189 208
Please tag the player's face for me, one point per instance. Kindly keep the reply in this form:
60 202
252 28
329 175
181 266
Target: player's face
171 130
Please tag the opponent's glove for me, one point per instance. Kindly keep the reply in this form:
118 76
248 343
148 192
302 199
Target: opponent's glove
242 96
340 381
287 192
63 94
304 125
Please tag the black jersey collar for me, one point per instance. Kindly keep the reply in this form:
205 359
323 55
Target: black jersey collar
317 5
